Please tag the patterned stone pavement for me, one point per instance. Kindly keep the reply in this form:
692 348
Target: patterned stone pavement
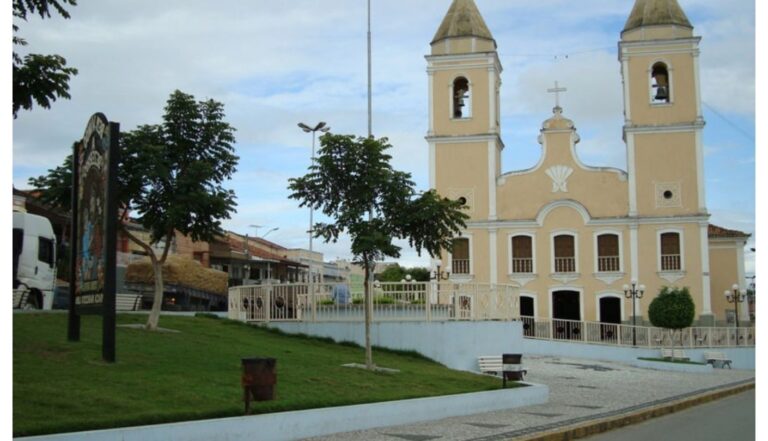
580 390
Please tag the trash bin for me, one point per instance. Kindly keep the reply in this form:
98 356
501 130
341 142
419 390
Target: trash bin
512 368
258 379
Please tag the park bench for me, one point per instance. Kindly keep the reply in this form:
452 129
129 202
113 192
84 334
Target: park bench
127 302
494 364
715 357
679 354
666 353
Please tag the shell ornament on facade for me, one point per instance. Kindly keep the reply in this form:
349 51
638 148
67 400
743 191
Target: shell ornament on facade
559 175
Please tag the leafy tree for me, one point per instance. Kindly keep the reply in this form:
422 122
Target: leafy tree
419 274
354 184
172 175
672 309
39 78
393 273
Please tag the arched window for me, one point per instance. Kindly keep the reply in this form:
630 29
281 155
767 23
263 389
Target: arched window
565 253
460 253
670 252
522 254
462 98
660 83
608 253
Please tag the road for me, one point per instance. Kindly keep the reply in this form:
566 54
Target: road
731 418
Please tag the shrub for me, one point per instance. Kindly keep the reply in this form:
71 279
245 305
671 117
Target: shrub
673 308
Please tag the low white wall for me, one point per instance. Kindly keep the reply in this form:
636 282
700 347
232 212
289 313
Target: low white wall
743 358
455 344
316 422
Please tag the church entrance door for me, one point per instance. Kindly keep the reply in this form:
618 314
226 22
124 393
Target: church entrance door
527 317
610 318
566 315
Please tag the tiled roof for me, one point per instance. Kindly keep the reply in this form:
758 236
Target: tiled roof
463 19
715 231
656 12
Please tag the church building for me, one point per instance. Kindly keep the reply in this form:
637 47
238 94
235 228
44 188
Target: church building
571 235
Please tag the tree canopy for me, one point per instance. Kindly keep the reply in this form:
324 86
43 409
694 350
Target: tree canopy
396 273
39 78
171 175
673 308
354 185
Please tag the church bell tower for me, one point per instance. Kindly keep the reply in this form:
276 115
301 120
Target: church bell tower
464 135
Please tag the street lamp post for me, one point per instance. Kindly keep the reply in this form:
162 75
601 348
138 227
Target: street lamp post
634 292
736 296
322 127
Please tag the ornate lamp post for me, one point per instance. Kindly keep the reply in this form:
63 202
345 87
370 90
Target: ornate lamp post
736 296
440 275
633 292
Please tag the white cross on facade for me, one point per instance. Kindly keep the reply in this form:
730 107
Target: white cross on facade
557 91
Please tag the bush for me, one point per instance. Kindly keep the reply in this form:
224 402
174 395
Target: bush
673 308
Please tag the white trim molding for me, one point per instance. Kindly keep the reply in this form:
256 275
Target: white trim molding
532 295
521 278
570 203
608 277
706 288
566 287
670 276
564 277
471 275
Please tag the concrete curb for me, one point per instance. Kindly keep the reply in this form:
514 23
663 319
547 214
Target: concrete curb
589 428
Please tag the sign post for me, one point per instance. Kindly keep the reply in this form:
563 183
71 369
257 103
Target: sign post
94 218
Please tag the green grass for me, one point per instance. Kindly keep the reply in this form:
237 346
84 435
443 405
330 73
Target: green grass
667 360
59 386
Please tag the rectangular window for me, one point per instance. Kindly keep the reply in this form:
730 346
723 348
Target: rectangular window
608 253
460 255
522 254
670 252
45 251
565 254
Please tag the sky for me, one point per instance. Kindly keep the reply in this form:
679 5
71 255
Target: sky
274 64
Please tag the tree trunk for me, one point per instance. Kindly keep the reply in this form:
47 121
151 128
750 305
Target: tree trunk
157 301
368 313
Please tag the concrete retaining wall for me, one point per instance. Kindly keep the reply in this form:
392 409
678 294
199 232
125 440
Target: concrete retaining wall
455 344
317 422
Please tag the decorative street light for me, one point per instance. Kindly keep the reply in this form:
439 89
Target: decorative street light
440 275
322 127
634 292
736 296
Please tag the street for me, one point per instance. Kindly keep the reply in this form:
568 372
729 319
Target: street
731 418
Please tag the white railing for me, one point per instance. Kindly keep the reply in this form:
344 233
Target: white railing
328 302
565 264
609 264
670 262
522 264
644 336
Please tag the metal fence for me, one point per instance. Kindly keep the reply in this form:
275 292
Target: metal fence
410 301
644 336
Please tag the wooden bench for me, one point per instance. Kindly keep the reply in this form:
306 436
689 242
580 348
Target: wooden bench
714 357
493 364
127 302
666 353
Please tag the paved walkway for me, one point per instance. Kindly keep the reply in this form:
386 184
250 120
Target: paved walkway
580 390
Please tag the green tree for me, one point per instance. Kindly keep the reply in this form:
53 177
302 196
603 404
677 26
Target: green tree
172 175
393 273
672 309
419 274
353 184
38 78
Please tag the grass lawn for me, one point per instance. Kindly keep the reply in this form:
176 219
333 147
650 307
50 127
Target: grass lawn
667 360
60 386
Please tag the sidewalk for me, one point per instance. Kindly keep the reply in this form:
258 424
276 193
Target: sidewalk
580 391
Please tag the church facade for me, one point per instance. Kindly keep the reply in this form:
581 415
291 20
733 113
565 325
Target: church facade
571 235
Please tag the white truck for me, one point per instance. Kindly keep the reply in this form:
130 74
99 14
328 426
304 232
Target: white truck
34 261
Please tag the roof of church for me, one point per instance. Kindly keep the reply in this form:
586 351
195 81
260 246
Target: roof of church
463 19
656 12
715 231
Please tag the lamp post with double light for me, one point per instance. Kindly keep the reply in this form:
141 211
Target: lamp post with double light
736 296
634 292
320 127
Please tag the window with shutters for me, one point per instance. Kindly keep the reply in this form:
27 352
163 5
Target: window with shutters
565 253
608 257
671 259
460 256
522 254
